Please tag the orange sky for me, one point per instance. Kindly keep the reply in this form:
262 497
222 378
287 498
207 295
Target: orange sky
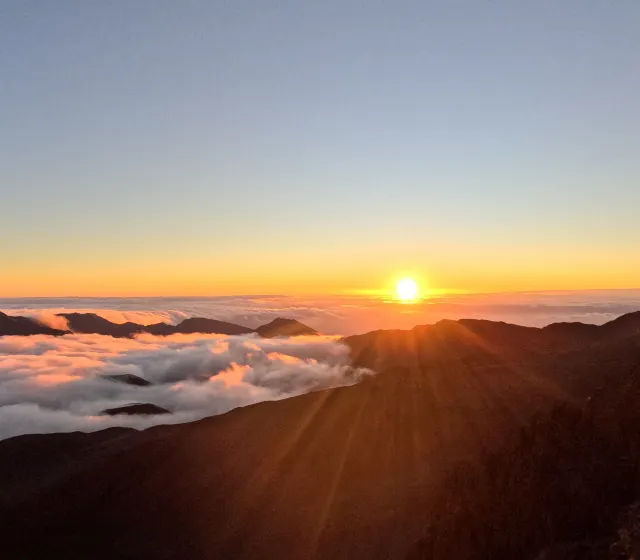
319 273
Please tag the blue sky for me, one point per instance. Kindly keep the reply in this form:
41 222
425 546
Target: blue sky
480 143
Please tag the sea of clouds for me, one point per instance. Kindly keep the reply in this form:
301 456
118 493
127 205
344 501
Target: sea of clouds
52 384
344 315
57 384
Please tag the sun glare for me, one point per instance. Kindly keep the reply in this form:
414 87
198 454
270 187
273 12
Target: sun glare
406 290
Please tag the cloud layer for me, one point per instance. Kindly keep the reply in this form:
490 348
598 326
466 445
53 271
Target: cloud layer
56 384
50 384
344 315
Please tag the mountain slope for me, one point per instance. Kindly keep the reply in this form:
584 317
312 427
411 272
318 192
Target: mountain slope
285 327
128 379
139 409
351 472
571 355
210 326
91 323
15 325
562 486
332 474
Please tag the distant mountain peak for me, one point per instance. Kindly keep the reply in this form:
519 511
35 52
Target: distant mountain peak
282 326
143 409
128 379
24 326
212 326
93 323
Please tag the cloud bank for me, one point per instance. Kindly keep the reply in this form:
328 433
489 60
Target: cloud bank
58 384
344 315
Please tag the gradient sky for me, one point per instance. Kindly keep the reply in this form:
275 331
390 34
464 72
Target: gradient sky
209 147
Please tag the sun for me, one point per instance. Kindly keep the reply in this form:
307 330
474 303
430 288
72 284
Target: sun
406 289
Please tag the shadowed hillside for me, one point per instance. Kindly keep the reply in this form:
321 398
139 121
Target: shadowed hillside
23 326
285 327
136 409
561 486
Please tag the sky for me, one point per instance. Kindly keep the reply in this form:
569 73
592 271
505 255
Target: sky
205 148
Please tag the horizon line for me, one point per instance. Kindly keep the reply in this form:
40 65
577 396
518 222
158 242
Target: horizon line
350 293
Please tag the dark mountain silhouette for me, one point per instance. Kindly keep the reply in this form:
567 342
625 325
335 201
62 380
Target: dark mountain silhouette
474 440
211 326
92 323
142 409
128 379
570 332
624 325
566 485
161 329
15 325
480 341
285 327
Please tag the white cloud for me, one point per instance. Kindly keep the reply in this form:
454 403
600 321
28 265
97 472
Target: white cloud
47 317
50 384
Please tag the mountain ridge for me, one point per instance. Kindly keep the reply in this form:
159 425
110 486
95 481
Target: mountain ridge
92 323
285 327
510 339
24 326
